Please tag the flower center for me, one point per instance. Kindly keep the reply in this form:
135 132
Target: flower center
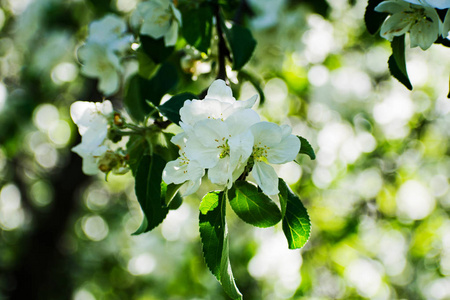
223 144
260 152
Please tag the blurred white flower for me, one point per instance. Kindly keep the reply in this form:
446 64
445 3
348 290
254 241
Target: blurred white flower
99 62
158 18
92 119
446 25
421 21
110 31
272 144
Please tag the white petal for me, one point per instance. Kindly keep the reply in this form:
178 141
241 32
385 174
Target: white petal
266 133
171 36
109 84
155 30
175 172
220 91
285 151
221 173
396 25
266 178
440 4
424 33
391 7
241 120
241 147
247 103
446 25
197 110
176 14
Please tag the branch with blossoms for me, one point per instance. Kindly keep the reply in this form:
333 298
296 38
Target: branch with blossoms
220 139
426 21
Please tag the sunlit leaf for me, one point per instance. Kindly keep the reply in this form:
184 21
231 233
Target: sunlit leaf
253 206
214 235
296 222
148 192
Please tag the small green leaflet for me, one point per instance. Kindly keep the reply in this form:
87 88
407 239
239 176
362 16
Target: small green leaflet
372 18
214 235
148 192
171 108
241 42
397 61
305 148
253 206
296 222
197 26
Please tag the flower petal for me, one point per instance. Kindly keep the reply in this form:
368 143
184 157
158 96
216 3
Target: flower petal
425 32
396 25
391 7
285 151
266 178
171 36
220 91
266 133
221 173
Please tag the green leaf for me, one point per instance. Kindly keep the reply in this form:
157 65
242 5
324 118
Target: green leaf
133 99
136 148
372 18
155 48
213 232
139 90
197 26
306 148
148 192
171 108
253 206
169 191
241 42
296 222
397 61
209 202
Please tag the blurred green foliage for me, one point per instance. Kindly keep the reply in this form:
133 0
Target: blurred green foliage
377 194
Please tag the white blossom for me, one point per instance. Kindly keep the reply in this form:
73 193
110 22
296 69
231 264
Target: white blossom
99 62
183 170
92 121
272 144
421 21
158 18
446 25
99 56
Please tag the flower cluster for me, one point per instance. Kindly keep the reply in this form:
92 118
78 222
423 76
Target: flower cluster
93 120
157 18
106 42
226 138
418 17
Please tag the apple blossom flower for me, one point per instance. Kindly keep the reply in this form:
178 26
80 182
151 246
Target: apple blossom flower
222 145
158 18
272 144
110 32
92 119
99 62
183 170
421 21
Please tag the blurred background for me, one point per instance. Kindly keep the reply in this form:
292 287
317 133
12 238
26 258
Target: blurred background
378 193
